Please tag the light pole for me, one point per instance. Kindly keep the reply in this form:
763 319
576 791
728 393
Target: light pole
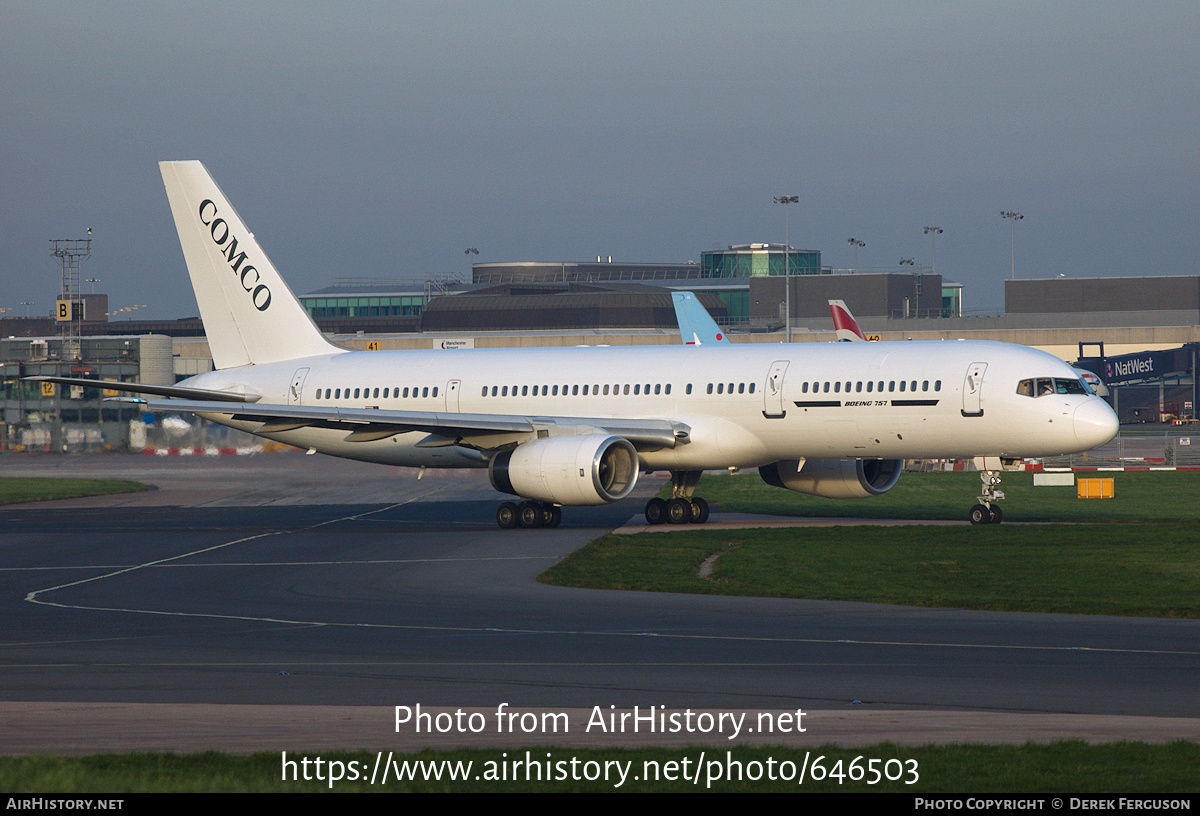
27 304
787 266
933 233
1013 218
854 242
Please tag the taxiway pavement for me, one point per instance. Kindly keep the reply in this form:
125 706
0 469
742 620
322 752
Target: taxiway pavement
292 584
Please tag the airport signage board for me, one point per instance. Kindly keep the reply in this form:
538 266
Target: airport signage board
1144 365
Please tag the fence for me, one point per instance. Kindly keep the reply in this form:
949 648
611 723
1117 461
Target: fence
1138 449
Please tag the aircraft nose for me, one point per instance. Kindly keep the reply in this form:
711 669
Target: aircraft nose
1095 423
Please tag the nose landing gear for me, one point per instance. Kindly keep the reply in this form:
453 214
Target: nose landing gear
985 512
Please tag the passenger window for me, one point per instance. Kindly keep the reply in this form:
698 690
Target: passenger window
668 390
710 388
720 388
435 391
837 387
637 390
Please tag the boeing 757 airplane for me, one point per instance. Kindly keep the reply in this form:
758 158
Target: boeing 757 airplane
576 426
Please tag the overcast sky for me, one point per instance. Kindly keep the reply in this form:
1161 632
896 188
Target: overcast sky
382 139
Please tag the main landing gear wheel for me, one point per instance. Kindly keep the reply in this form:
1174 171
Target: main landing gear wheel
682 507
529 514
506 516
656 511
679 511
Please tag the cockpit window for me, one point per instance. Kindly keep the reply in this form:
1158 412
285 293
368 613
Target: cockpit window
1042 386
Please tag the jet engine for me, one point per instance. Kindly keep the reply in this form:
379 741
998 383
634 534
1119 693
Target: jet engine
568 470
835 478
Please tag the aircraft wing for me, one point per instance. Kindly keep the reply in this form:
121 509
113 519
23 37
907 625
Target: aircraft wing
483 431
157 390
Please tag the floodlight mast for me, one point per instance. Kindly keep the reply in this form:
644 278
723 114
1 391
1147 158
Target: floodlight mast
71 254
933 233
787 266
1013 217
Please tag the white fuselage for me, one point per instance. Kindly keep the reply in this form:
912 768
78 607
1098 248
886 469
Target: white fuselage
745 405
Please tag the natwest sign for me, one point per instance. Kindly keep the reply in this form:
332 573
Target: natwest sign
1144 365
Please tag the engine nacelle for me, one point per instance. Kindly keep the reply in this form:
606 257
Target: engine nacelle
835 478
570 470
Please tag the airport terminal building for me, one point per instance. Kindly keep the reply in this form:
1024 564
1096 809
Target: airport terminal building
1104 323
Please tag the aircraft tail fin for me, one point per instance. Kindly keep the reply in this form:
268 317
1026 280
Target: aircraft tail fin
696 326
844 322
250 315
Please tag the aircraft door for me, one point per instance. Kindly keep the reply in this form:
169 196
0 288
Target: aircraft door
452 389
973 390
296 390
773 407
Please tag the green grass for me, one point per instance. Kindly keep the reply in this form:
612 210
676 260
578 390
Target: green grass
1141 570
1065 766
1140 496
1140 555
14 490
